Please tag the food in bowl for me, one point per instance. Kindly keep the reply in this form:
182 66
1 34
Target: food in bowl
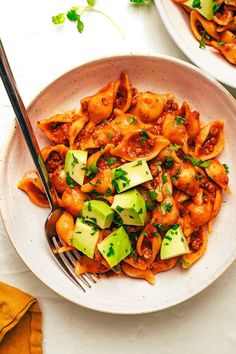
213 23
139 179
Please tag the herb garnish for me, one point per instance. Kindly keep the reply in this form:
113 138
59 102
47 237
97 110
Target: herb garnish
205 36
111 161
69 180
168 163
179 120
199 163
153 195
197 4
226 168
75 13
139 163
144 136
110 251
132 120
174 147
119 208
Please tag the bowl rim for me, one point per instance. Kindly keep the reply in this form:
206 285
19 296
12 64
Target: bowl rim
3 214
181 45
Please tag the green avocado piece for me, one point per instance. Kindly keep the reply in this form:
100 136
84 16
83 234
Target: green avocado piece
131 207
85 237
98 212
115 246
75 165
174 243
130 175
204 7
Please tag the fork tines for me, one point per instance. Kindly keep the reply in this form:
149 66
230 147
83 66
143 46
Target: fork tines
68 261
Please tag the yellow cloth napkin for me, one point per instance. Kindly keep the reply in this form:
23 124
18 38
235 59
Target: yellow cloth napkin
20 322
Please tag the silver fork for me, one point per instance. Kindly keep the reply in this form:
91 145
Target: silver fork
67 260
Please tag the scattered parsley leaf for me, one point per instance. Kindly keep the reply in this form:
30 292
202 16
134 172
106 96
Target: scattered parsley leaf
144 136
148 205
199 163
69 180
168 206
132 120
197 4
119 208
226 168
89 206
111 161
174 147
58 19
205 36
139 163
153 195
110 251
179 120
168 163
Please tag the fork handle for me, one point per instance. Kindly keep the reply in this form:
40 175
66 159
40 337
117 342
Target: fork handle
25 125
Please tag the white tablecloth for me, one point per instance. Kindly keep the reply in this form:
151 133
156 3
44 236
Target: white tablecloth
38 52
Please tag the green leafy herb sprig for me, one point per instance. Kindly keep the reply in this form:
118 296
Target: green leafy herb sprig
75 13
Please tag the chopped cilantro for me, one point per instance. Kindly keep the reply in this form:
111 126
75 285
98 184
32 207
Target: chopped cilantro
176 176
92 170
119 209
108 192
174 147
199 163
164 179
205 36
168 163
148 205
89 206
196 4
75 160
139 163
110 251
115 185
144 136
153 195
216 7
179 120
140 211
187 264
168 206
111 161
155 234
110 135
132 120
69 180
226 168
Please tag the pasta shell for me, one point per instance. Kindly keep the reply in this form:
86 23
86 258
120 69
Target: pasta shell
176 133
100 184
228 50
56 127
99 106
137 273
164 265
216 172
32 186
123 95
65 227
140 144
54 156
58 179
210 141
199 214
209 26
223 17
75 128
166 213
148 106
192 257
184 178
192 120
73 200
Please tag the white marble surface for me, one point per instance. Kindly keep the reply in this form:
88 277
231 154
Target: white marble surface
38 52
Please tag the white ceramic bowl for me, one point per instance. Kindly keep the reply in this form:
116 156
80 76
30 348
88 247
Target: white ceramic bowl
25 221
176 21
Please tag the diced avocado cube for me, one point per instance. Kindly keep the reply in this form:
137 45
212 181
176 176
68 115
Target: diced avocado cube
75 165
85 237
98 212
115 246
131 207
130 175
174 243
204 7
